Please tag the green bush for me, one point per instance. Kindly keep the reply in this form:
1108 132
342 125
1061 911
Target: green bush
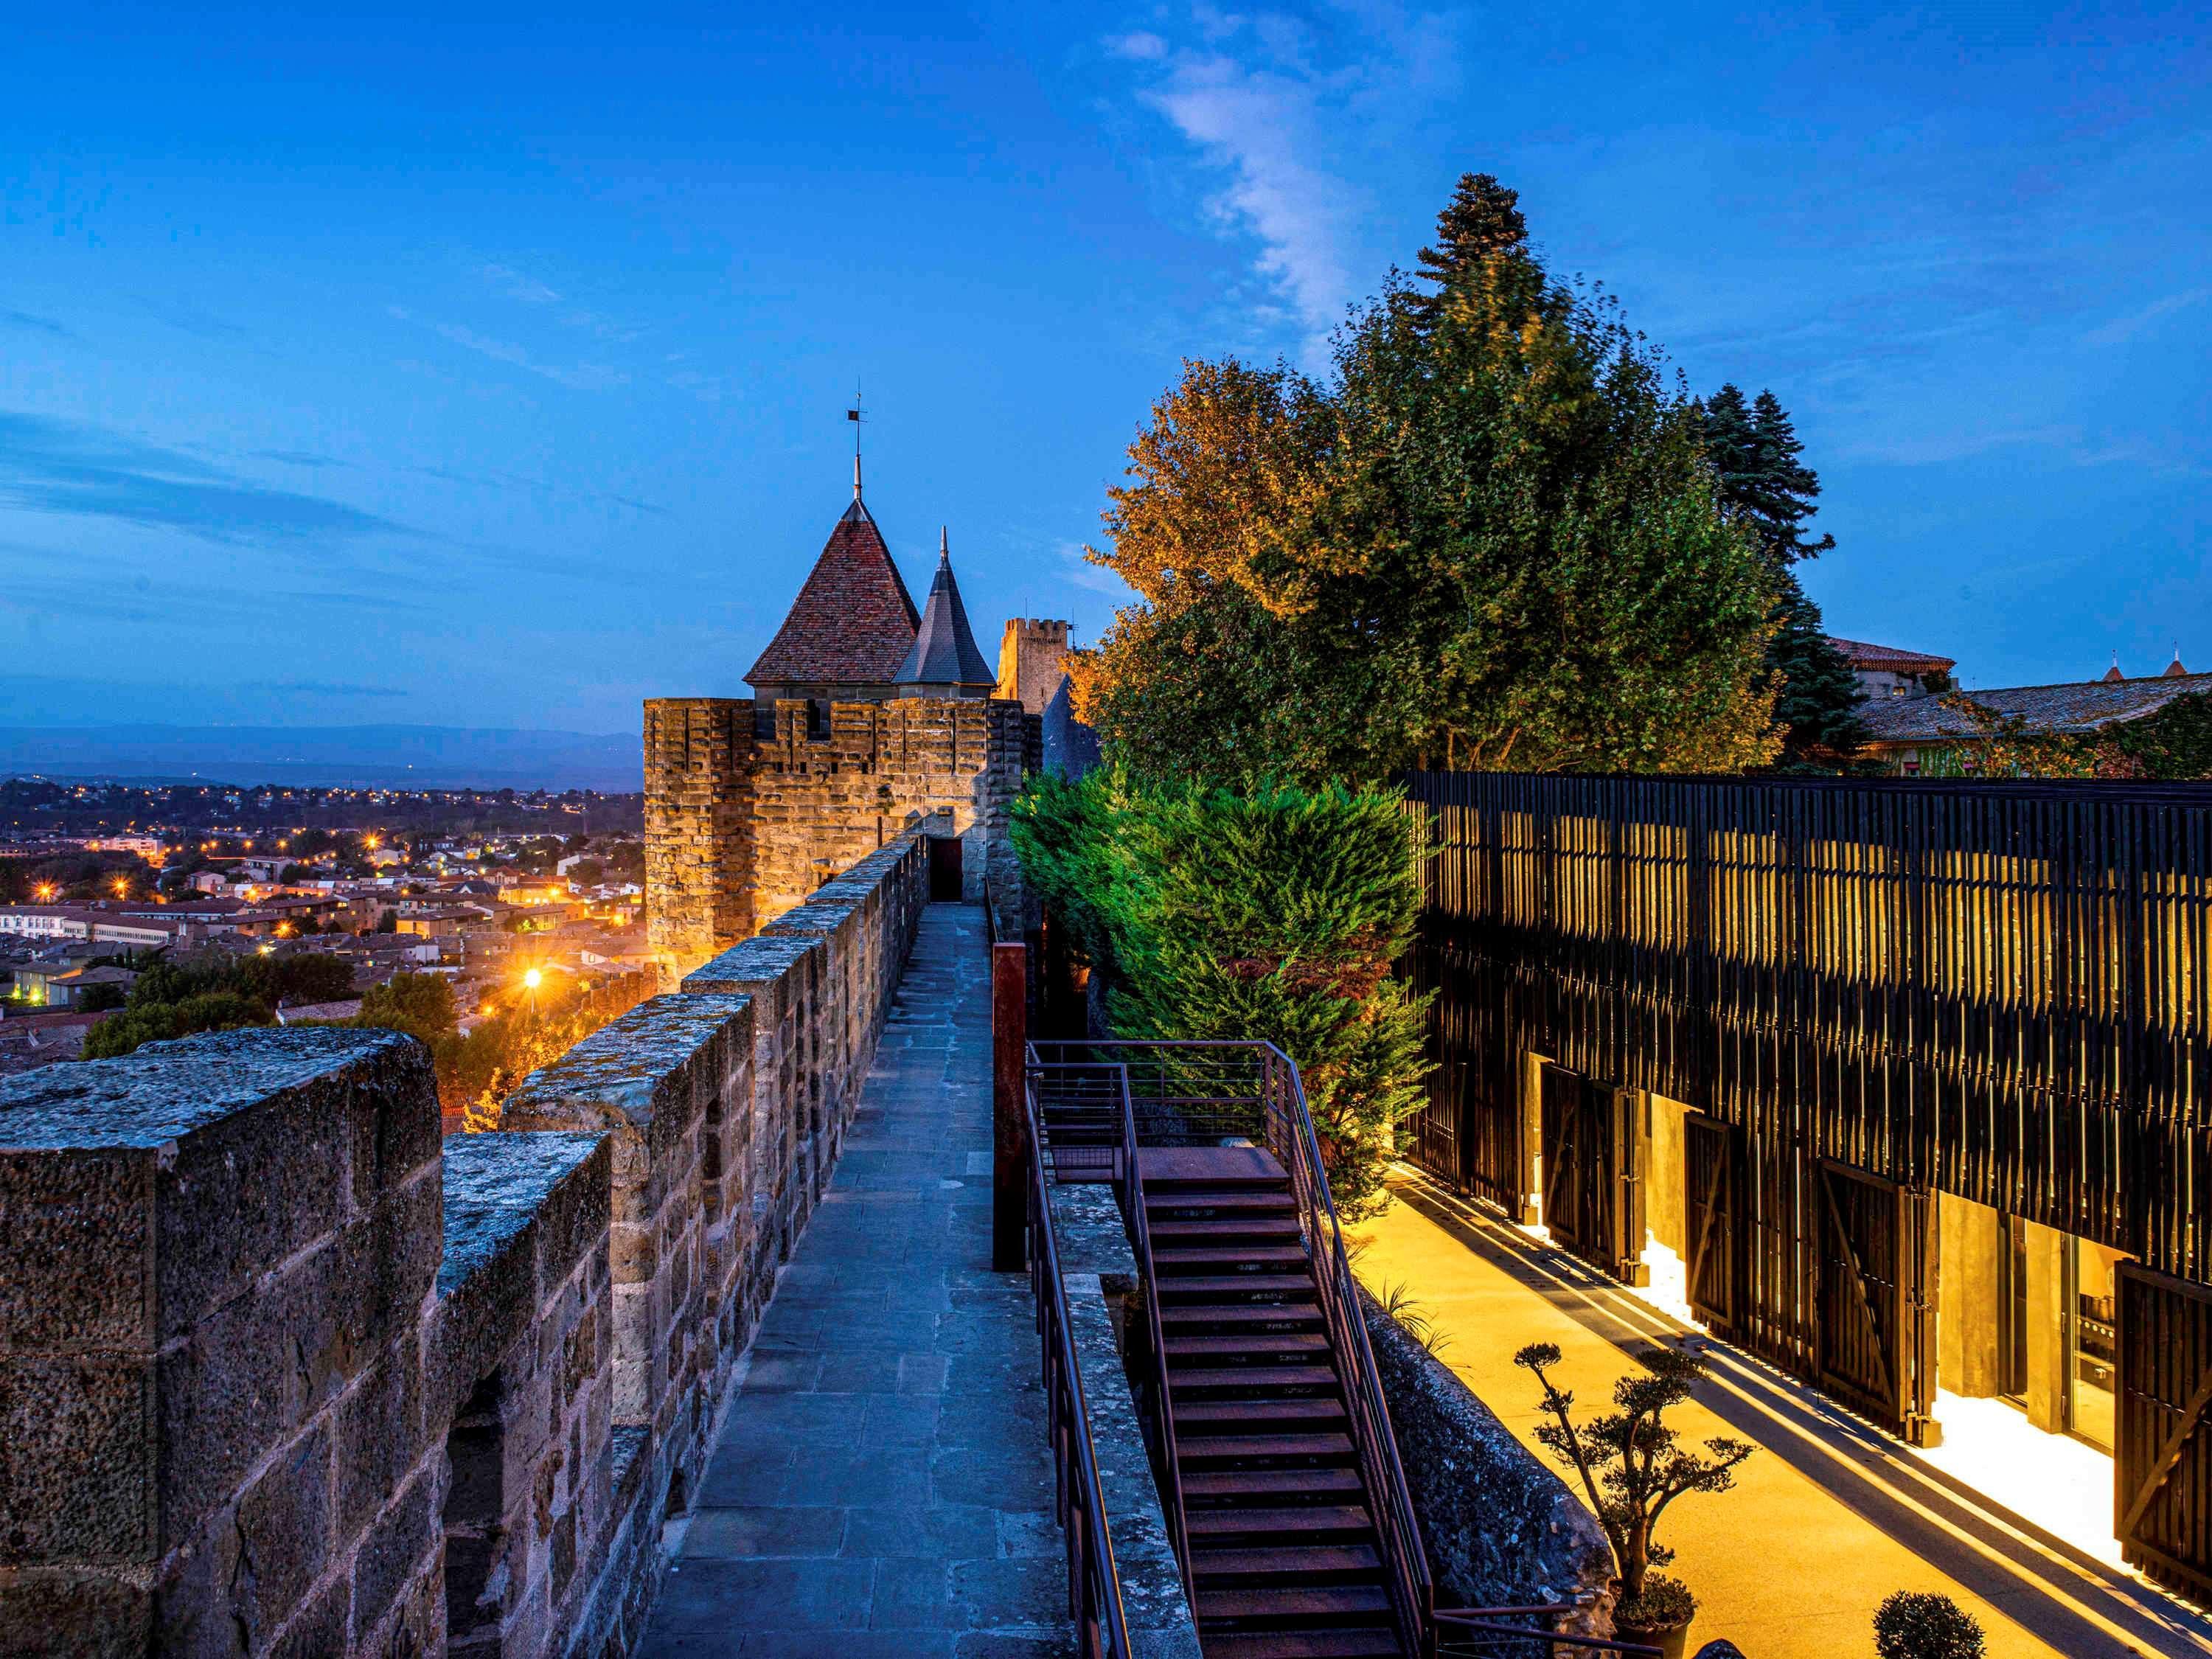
1915 1624
213 1011
1271 912
421 1005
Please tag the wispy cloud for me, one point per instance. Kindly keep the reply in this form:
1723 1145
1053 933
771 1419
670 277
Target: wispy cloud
580 377
2121 330
1275 103
48 465
518 286
32 323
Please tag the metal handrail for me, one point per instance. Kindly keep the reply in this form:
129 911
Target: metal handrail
1141 1242
1290 1135
1094 1582
1284 1121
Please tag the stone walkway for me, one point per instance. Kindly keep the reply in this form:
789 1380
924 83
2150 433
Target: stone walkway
884 1486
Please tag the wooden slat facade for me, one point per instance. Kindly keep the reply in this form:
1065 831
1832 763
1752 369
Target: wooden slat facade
2003 990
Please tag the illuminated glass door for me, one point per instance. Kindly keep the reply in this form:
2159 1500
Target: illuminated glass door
2092 1340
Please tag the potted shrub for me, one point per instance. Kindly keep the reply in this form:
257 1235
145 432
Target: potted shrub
1632 1466
1915 1624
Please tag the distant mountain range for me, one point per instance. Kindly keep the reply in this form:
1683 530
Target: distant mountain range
384 756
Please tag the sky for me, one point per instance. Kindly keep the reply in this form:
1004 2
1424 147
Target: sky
488 365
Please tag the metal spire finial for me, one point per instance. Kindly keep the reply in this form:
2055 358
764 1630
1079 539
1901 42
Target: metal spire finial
853 416
944 546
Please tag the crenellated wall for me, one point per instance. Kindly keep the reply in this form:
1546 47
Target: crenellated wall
279 1374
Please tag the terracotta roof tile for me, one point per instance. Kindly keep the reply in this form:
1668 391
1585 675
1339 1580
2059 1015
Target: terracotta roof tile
853 623
1860 654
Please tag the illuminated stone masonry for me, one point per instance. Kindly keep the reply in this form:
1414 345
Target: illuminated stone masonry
280 1373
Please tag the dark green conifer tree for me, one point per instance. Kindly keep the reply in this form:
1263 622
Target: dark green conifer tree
1483 219
1755 450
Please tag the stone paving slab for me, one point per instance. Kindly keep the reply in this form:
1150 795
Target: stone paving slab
884 1486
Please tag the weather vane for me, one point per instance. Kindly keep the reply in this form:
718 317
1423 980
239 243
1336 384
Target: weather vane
853 416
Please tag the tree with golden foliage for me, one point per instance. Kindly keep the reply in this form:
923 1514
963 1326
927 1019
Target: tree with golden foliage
1489 539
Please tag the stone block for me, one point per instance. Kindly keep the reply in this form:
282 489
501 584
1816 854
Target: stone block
396 1551
45 1613
77 1465
76 1229
243 1148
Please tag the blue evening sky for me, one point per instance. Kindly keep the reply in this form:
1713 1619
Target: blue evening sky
486 366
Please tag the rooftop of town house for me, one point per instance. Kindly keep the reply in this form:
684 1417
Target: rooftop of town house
1859 653
2071 708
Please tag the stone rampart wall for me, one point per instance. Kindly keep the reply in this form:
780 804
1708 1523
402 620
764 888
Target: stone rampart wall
280 1375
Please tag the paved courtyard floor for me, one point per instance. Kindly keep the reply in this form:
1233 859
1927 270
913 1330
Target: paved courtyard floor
1828 1517
884 1486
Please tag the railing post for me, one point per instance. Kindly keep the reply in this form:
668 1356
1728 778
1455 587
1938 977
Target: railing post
1010 1160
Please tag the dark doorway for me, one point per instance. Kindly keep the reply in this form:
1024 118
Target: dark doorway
1593 1198
945 870
1873 1310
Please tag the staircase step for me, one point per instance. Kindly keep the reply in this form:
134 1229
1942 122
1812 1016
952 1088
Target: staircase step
1247 1343
1301 1608
1240 1450
1272 1196
1271 1488
1252 1379
1304 1522
1372 1642
1257 1416
1258 1227
1218 1259
1264 1565
1236 1316
1237 1285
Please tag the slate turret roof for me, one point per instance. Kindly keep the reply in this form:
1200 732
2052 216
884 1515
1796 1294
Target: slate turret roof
944 652
853 623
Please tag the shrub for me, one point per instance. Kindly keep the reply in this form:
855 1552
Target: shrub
1663 1604
1269 912
1916 1624
213 1011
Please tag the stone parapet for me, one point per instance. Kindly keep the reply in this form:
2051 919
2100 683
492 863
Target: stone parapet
217 1260
278 1376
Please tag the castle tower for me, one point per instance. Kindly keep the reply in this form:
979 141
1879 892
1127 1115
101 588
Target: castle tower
870 719
1032 661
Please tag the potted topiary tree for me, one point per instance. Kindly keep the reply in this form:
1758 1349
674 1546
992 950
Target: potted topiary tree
1917 1625
1632 1466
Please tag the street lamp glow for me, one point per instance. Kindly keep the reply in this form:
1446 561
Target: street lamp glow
532 979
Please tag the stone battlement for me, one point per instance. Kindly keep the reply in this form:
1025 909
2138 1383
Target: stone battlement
280 1371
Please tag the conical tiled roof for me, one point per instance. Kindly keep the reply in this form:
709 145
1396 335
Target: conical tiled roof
853 623
944 651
